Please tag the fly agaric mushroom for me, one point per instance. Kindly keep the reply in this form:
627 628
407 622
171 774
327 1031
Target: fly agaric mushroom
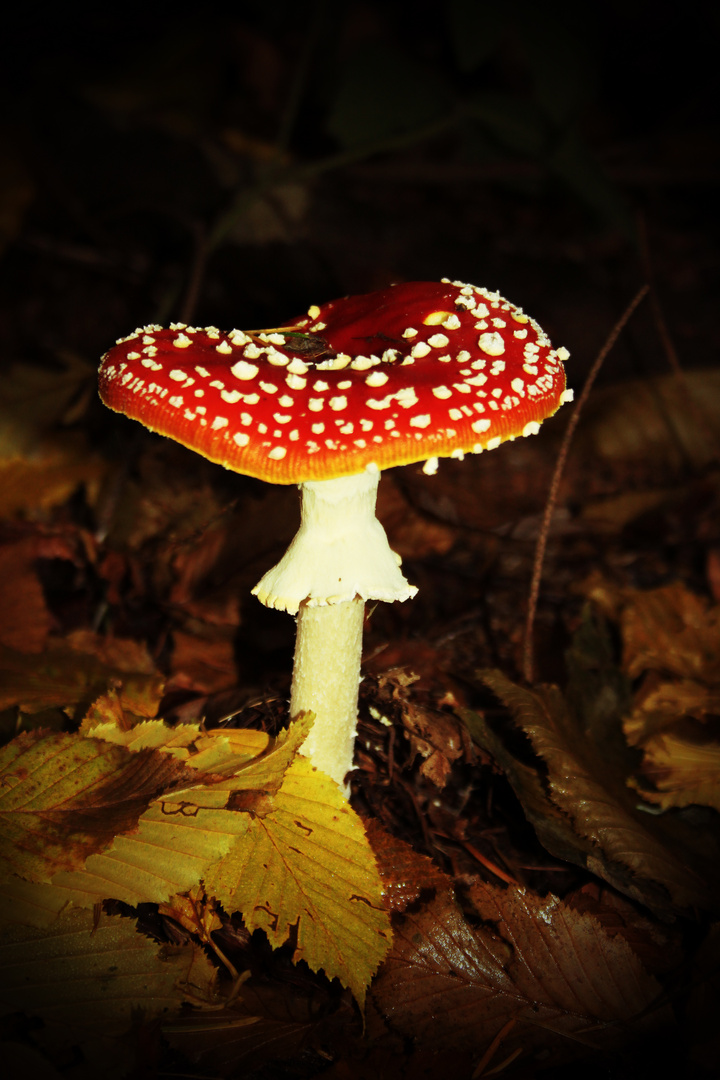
416 371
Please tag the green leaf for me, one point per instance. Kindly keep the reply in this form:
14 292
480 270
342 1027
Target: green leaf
308 863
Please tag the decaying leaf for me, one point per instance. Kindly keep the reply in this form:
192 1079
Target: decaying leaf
671 642
86 975
64 798
308 863
26 621
555 973
76 670
194 912
602 826
267 1023
682 769
670 630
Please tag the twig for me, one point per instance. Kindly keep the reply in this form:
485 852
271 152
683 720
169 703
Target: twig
492 1048
528 651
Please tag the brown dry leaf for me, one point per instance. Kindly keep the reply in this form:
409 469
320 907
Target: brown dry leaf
63 798
79 668
88 975
662 705
26 621
592 798
205 664
658 945
268 1023
49 476
436 737
673 631
671 638
564 982
194 912
654 426
411 535
308 863
39 470
406 875
683 770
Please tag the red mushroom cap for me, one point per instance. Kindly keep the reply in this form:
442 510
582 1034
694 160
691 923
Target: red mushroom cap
419 370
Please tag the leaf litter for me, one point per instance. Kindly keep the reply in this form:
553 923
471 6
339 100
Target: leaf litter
159 872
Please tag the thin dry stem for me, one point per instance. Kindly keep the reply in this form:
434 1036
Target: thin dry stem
528 651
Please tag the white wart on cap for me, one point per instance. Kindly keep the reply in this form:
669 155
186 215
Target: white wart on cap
416 371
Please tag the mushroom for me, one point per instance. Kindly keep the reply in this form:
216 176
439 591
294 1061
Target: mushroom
416 371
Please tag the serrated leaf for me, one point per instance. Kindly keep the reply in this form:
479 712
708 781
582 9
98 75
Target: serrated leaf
175 840
552 971
85 973
63 798
308 864
596 803
185 831
251 758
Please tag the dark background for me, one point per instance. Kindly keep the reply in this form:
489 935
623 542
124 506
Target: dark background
233 163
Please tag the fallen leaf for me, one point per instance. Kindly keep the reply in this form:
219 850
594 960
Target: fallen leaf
616 841
185 831
308 863
26 621
555 973
194 912
683 770
89 975
267 1024
63 798
670 630
671 641
64 676
203 664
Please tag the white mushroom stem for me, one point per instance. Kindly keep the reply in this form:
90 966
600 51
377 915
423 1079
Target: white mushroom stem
326 677
339 558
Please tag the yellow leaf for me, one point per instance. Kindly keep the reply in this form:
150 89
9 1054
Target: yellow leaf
107 720
185 831
176 839
29 902
308 863
63 798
